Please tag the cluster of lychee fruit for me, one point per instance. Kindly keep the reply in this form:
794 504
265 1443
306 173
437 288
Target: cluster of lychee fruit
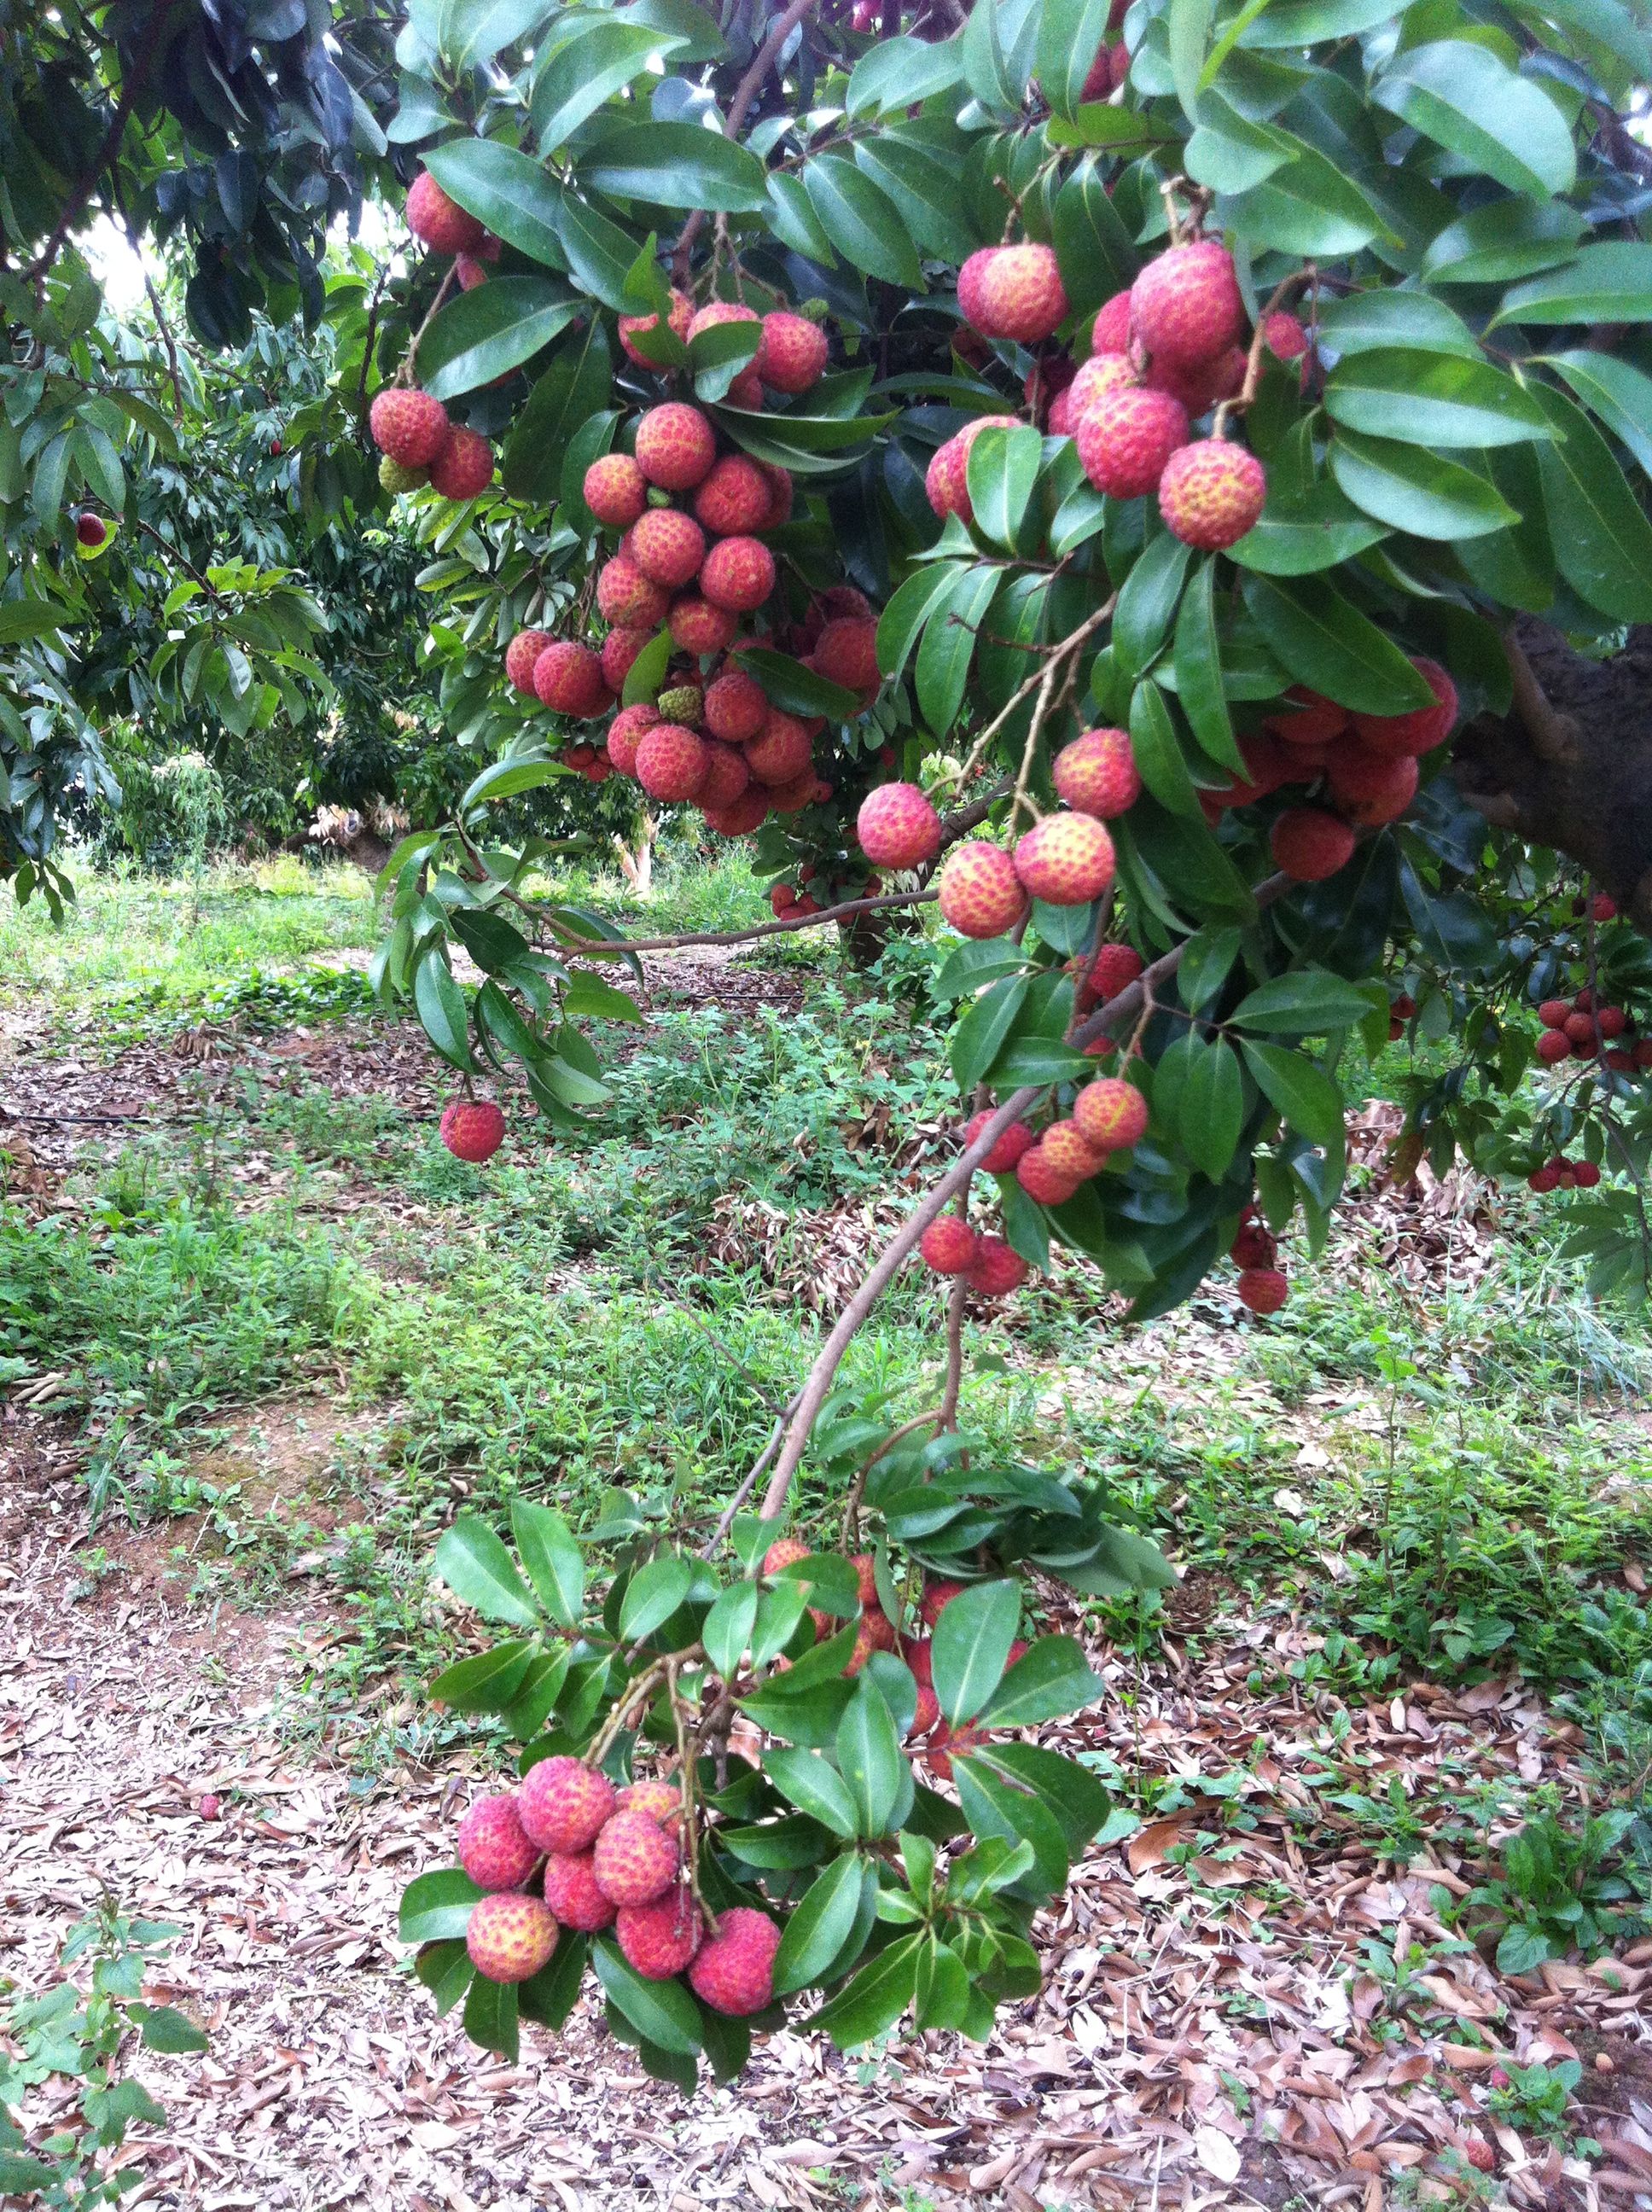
1559 1173
411 428
1263 1287
1582 1028
567 1850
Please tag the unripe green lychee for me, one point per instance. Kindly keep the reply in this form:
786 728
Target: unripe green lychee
682 703
396 479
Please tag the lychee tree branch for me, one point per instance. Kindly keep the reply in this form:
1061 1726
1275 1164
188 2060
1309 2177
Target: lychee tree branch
739 107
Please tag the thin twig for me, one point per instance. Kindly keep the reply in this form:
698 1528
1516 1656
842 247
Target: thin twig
617 947
739 107
857 1487
149 46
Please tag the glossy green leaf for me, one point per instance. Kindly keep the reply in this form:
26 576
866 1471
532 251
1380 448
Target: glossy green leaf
1618 393
1003 475
1148 601
1424 493
1051 1678
1310 206
861 221
572 389
600 254
1425 398
727 1631
1299 1089
585 71
478 1570
1157 746
554 1561
1602 539
1380 319
1212 1109
1607 283
879 1993
1198 662
1467 100
553 1992
436 1907
815 1787
486 1682
440 1004
663 2012
513 195
1502 241
869 1756
820 1925
472 31
900 72
971 1641
1326 643
797 690
1310 1003
653 1596
491 2017
941 673
445 1971
677 165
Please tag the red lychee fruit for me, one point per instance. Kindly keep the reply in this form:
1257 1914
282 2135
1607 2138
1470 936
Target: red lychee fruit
615 490
1263 1289
947 481
1307 718
472 1129
937 1596
91 529
1309 844
736 707
569 678
926 1706
1585 1173
520 655
1009 1146
969 276
1542 1180
470 271
1611 1021
948 1245
658 1940
410 426
1198 385
1370 788
734 499
1580 1028
563 1803
980 894
745 815
1096 774
738 574
626 732
793 354
1284 335
1102 374
675 447
1253 1247
1062 418
1602 908
726 778
620 649
681 315
873 1632
660 1801
672 762
464 468
1186 305
778 481
994 1272
783 751
571 1894
785 1552
441 222
629 599
510 1936
897 827
947 1741
716 313
1212 493
1115 968
746 391
1066 860
1019 295
1111 1114
1424 727
1126 440
846 653
494 1848
699 627
668 546
866 1579
635 1860
1042 1181
1111 331
1068 1152
733 1972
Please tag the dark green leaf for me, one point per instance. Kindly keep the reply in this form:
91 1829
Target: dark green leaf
554 1564
1299 1090
815 1787
436 1907
483 334
869 1757
480 1572
513 195
677 165
484 1683
573 388
1310 1003
861 221
1051 1678
1602 540
663 2012
1327 644
820 1925
1502 241
1415 490
971 1643
584 71
1467 100
1425 398
880 1992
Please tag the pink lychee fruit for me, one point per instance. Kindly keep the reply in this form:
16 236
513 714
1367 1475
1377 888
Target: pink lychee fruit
636 1861
736 707
658 1940
1102 374
1066 860
716 313
1309 844
631 326
668 546
1097 774
615 490
738 574
897 827
846 653
620 649
1019 295
494 1848
410 426
1115 968
794 353
524 649
746 813
1127 438
675 447
569 678
1212 493
1186 305
1008 1147
472 1129
1370 788
661 1801
733 1972
1067 1150
782 752
510 1936
948 1245
571 1894
781 493
1284 335
563 1803
1263 1289
699 627
464 468
993 1273
1111 1114
1421 729
726 778
980 894
672 762
1042 1181
1111 331
1307 718
626 732
734 499
947 479
441 222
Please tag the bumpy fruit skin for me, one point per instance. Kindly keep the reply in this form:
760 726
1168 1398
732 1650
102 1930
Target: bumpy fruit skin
793 354
1307 718
1263 1289
1198 385
1111 1113
660 1801
1096 774
562 1804
510 1936
1015 1141
1310 844
464 468
782 753
571 1894
1042 1180
980 894
1115 968
747 813
397 480
1185 305
738 574
520 655
1421 730
778 481
441 222
734 1972
1102 374
473 1129
658 1940
629 599
948 1245
1284 335
615 490
897 827
1066 860
675 447
1128 438
494 1848
682 702
784 1552
668 546
1212 493
635 1860
410 426
994 1272
927 1707
734 499
718 311
1370 788
946 482
681 315
873 1632
937 1596
735 708
626 732
1067 1150
620 649
726 778
569 678
969 278
1585 1173
846 653
697 627
1602 908
470 271
672 762
1019 295
1111 331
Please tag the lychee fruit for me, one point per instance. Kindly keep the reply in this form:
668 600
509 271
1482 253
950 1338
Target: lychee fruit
563 1803
744 815
1019 295
1066 860
873 1632
90 530
1042 1181
1111 331
794 353
635 1860
1263 1289
410 426
778 481
948 1245
1424 727
733 1972
1212 493
734 499
1111 1114
615 490
441 222
470 271
926 1706
675 447
947 1740
472 1129
1115 968
629 599
571 1894
937 1596
1369 788
980 894
494 1848
738 574
1126 440
736 707
1309 844
1186 305
520 655
783 751
1307 718
672 762
668 546
626 732
716 313
699 627
1007 1147
681 702
969 276
681 315
726 778
1069 1153
1102 374
620 649
396 479
897 827
1097 774
1602 908
510 1936
569 678
1284 335
658 1940
785 1552
1198 385
947 480
660 1801
464 468
993 1273
846 653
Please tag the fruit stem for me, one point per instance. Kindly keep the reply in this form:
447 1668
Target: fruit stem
1300 280
404 374
644 1683
739 107
687 1782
